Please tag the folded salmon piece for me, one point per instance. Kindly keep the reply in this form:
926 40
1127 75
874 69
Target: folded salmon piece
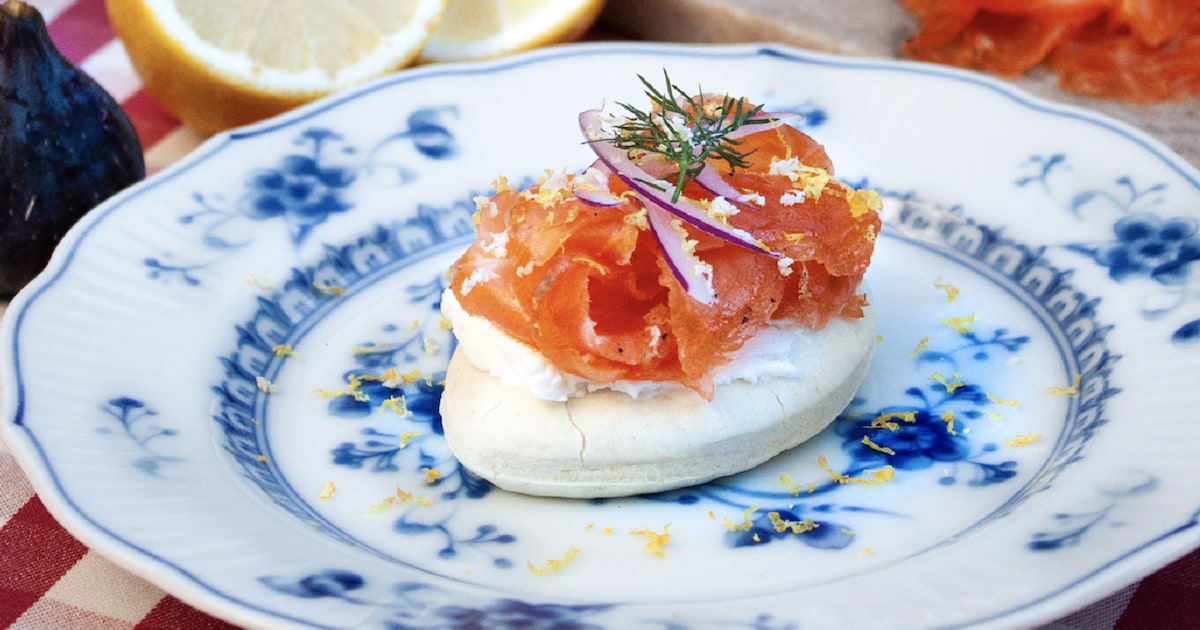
1132 50
587 285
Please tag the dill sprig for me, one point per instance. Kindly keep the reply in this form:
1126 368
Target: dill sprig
687 130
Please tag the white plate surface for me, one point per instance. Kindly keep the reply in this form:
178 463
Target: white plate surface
143 397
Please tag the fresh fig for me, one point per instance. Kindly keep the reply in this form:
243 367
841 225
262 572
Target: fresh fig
65 145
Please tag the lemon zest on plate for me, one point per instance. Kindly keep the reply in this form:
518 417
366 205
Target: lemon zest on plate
1073 390
948 418
655 541
396 403
877 476
875 447
431 475
554 565
950 289
747 521
1023 440
921 346
782 525
330 289
885 421
950 386
1002 401
961 324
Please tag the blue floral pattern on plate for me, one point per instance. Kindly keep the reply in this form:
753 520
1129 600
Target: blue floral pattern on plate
1143 245
1001 440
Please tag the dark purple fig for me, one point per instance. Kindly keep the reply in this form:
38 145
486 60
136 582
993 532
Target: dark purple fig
65 145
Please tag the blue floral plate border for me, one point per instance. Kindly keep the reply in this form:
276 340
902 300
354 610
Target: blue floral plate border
227 379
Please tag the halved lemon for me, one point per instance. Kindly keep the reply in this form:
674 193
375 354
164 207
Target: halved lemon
216 64
479 29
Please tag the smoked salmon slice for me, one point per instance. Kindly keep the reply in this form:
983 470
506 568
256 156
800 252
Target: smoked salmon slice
587 286
1133 50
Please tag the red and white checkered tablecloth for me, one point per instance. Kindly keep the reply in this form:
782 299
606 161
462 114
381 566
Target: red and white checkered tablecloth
50 580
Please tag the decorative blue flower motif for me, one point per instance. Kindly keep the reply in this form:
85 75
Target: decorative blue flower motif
484 535
921 436
301 190
428 134
814 532
135 419
917 445
1071 527
421 606
1148 246
499 613
328 583
1145 245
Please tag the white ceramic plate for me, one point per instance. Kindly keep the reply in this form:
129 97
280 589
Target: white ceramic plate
145 401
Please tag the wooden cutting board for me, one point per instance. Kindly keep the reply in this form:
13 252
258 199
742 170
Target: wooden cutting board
871 28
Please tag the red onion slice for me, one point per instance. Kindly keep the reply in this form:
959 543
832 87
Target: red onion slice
694 275
712 181
775 118
657 192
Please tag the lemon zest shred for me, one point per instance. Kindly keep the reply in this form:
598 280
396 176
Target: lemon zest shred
950 386
257 282
1002 401
961 324
1023 440
1073 390
383 505
884 421
950 289
747 521
921 346
873 446
863 202
283 350
431 475
948 418
792 486
655 541
878 476
405 438
554 565
782 525
637 219
327 490
331 289
396 403
403 496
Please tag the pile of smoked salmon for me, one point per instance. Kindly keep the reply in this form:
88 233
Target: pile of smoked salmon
588 287
1131 50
